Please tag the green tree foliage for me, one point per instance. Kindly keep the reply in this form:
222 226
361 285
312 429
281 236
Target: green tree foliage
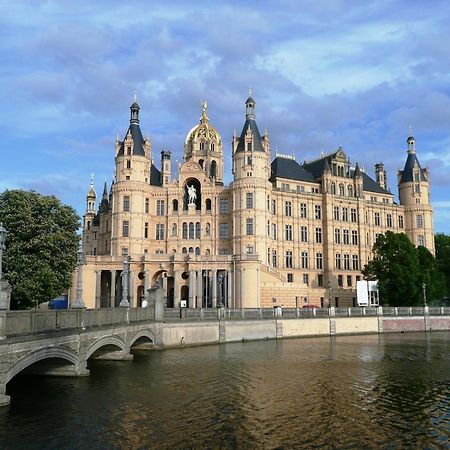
442 244
396 267
41 246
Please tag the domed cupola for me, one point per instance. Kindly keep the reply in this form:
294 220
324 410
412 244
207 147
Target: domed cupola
203 145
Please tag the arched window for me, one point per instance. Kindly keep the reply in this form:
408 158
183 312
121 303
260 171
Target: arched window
207 229
213 169
191 249
89 225
197 231
350 190
197 250
184 250
207 251
201 162
185 230
174 229
341 190
175 205
333 188
191 230
208 204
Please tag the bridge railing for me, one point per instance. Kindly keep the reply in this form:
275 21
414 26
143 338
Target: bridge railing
16 323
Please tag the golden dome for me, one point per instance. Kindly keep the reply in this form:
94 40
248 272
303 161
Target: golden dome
204 130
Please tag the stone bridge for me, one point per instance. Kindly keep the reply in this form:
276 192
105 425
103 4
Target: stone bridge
60 342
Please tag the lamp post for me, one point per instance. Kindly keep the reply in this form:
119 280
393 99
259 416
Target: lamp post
330 296
79 293
424 290
126 265
220 304
5 288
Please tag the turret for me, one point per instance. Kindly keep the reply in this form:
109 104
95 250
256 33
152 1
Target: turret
165 167
91 196
380 175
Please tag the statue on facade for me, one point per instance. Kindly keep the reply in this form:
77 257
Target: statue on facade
192 193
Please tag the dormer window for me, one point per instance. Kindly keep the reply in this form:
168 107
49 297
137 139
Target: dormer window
202 146
249 146
128 164
128 149
249 160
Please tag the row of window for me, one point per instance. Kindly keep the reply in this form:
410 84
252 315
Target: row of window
340 280
342 190
343 214
160 205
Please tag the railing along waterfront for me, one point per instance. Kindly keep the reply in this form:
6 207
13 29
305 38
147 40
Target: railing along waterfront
17 323
204 314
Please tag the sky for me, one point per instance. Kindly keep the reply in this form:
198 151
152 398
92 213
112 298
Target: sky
323 74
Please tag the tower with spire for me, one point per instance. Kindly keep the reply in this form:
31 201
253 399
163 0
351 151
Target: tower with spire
414 195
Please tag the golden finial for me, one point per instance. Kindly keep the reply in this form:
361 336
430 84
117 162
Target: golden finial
204 115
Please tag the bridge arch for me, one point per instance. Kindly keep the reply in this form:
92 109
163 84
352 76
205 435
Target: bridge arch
140 336
39 355
110 341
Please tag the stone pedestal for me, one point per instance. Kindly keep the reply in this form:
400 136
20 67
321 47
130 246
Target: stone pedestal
156 301
5 294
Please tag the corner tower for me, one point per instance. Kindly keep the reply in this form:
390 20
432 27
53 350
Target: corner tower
414 195
203 145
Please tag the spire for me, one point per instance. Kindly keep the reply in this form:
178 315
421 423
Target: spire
105 191
250 107
357 172
204 118
91 193
326 166
134 118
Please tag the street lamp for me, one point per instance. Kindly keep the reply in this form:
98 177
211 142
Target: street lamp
330 296
5 288
79 293
424 290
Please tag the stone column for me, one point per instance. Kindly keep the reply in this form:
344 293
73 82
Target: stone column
192 289
164 286
229 290
200 288
98 287
176 289
214 288
112 301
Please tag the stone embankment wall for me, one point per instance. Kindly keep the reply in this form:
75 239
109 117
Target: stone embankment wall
213 332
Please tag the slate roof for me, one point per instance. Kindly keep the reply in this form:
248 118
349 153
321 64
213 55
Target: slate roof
290 169
407 172
155 176
138 140
257 145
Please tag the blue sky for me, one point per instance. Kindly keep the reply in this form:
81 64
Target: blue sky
323 74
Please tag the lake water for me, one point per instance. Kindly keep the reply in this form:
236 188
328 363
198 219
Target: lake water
361 392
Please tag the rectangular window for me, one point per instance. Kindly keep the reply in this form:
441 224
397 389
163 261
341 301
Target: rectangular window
345 214
337 236
249 146
419 221
318 235
290 277
274 258
285 186
377 219
249 160
318 212
338 261
288 233
420 240
336 213
355 262
185 230
346 262
249 200
250 250
125 228
304 234
223 231
249 227
400 222
304 260
389 220
319 261
320 282
288 209
274 231
289 259
147 206
345 237
340 283
146 230
159 231
274 206
126 203
160 207
349 280
306 279
223 206
354 215
354 237
303 211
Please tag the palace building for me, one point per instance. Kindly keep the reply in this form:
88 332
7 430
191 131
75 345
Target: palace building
280 234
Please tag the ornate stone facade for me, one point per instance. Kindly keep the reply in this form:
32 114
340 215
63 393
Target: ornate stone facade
282 233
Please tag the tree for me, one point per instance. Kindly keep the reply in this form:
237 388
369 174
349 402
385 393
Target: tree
41 246
442 244
396 267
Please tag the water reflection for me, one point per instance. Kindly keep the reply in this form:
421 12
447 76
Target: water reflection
390 391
